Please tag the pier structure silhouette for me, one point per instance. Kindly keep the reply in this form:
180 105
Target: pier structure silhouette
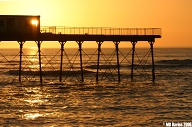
99 35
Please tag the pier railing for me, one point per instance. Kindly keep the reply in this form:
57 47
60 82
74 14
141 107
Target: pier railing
100 30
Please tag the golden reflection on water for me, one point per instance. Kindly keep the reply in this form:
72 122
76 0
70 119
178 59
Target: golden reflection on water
40 105
36 98
32 116
32 56
92 105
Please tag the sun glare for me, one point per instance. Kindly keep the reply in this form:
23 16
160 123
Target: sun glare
34 22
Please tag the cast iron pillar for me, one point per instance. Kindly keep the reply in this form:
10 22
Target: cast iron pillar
98 59
152 56
118 65
133 56
81 59
21 43
61 64
40 68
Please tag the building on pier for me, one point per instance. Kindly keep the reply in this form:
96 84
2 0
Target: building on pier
12 25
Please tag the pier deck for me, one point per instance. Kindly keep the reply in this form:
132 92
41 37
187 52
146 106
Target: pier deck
87 34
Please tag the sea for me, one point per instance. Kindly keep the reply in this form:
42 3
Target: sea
137 102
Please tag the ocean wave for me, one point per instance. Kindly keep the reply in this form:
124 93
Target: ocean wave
9 61
120 66
46 73
176 61
102 66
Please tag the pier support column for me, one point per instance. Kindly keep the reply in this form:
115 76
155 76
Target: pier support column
40 68
81 59
61 64
98 59
152 57
133 57
117 53
21 43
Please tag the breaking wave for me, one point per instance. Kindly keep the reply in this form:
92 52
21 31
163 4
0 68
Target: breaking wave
175 61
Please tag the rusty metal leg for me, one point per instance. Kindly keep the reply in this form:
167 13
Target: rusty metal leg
61 64
40 68
21 43
98 60
133 56
81 59
153 65
117 53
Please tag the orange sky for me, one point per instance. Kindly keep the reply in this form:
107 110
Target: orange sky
173 16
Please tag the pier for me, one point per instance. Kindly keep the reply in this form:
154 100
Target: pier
99 35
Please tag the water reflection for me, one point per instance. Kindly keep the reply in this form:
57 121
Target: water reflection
32 116
35 99
32 52
93 104
33 58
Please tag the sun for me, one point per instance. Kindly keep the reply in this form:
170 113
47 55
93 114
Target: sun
34 22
